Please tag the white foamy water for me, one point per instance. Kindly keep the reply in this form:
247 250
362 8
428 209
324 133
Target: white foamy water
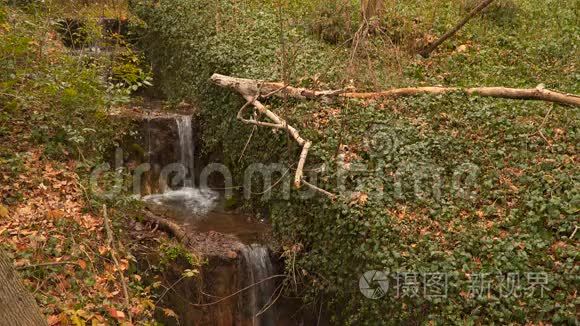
188 199
186 147
192 200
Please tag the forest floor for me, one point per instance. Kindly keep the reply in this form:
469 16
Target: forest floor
52 110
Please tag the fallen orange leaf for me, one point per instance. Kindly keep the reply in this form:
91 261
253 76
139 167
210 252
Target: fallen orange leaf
119 315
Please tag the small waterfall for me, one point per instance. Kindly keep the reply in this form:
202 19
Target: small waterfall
191 200
258 267
186 147
193 207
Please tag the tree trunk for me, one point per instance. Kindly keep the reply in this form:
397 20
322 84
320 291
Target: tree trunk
371 8
17 306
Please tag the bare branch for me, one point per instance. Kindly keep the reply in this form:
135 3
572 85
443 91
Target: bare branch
242 85
427 51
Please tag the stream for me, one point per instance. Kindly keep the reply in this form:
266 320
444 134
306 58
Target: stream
200 211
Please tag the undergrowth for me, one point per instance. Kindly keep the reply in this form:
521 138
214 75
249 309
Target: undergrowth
446 184
54 128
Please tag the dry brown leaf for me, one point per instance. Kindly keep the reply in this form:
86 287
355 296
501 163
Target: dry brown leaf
53 320
117 314
169 313
55 214
3 212
359 198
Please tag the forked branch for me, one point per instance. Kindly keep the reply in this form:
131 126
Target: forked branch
252 91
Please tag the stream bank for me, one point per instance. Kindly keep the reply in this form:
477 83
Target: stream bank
241 280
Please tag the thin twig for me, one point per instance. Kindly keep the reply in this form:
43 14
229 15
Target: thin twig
237 292
247 143
574 233
313 187
54 263
111 243
169 288
270 301
274 92
320 310
273 185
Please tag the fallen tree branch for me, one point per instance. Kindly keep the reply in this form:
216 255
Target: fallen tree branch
538 93
169 227
249 88
430 48
300 168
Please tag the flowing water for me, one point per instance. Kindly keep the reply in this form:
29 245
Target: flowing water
257 302
186 147
195 210
187 199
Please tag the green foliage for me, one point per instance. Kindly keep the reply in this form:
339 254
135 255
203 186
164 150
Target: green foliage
170 253
56 97
520 212
128 73
187 41
520 208
334 22
503 13
127 70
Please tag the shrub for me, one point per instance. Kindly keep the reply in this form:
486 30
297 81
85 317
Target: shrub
59 98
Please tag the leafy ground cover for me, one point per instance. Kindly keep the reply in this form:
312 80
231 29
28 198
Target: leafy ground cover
54 127
402 210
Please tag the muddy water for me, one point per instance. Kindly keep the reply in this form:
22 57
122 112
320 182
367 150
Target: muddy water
236 249
251 267
199 212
